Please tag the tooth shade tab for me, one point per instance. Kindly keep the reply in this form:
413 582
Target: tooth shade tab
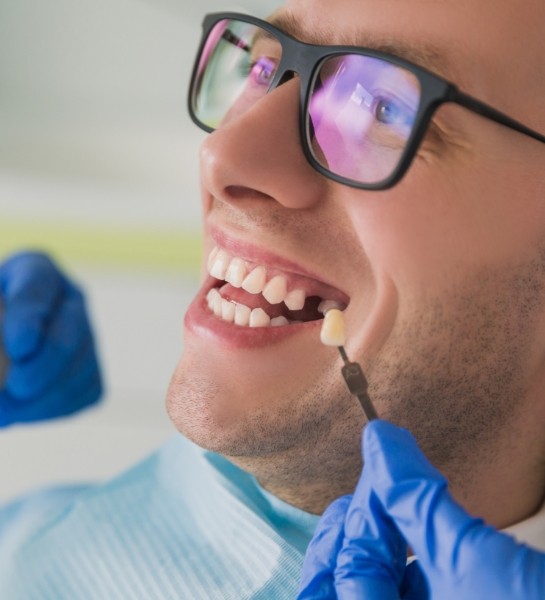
326 305
332 332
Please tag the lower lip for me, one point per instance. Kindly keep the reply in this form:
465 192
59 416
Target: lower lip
202 322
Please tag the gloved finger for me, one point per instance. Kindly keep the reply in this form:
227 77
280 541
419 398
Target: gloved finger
78 388
4 361
373 557
321 556
413 493
30 287
66 334
451 545
414 585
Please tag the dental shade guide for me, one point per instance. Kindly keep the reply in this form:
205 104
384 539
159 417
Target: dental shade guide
333 334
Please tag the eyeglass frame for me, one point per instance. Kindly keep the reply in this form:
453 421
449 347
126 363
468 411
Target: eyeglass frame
305 59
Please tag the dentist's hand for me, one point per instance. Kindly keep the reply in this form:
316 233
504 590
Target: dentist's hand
359 549
52 367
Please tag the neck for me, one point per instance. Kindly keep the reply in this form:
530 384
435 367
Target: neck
502 485
305 478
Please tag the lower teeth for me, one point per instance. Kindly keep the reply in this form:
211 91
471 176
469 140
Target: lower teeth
242 315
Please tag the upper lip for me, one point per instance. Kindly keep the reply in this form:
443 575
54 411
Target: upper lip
261 256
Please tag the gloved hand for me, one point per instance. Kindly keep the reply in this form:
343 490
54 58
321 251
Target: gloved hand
52 364
359 549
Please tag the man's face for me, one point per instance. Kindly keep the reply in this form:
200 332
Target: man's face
442 275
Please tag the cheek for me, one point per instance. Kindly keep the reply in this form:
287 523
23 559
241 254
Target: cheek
440 226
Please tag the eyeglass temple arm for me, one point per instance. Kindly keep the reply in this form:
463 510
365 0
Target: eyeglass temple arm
491 113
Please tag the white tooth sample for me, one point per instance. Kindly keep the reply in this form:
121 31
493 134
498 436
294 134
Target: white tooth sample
279 321
259 318
255 281
332 333
236 272
227 311
220 264
212 257
242 315
295 300
326 305
275 290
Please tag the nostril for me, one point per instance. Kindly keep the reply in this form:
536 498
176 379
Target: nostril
239 192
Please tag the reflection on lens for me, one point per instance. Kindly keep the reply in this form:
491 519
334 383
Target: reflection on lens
362 111
237 65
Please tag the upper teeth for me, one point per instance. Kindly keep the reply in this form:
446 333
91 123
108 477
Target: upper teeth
253 279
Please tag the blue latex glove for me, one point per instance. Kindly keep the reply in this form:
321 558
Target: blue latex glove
359 549
52 364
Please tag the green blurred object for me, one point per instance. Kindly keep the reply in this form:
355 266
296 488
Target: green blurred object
106 246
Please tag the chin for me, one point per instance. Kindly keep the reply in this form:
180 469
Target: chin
250 416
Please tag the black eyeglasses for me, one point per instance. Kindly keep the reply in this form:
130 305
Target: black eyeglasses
363 113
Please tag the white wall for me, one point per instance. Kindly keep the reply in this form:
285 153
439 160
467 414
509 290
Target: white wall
98 165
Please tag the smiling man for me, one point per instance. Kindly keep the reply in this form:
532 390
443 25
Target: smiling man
397 176
440 275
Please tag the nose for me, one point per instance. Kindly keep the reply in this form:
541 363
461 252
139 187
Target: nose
258 155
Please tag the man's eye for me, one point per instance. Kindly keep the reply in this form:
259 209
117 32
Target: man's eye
262 71
391 112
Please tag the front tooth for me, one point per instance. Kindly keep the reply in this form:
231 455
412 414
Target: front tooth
227 311
295 300
259 318
326 305
279 321
220 264
212 257
275 291
242 315
210 297
217 304
236 272
255 281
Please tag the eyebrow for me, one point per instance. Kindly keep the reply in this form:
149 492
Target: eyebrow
424 54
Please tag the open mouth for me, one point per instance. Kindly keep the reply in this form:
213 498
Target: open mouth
253 295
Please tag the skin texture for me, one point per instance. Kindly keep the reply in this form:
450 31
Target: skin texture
445 272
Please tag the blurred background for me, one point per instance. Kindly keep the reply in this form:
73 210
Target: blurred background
98 167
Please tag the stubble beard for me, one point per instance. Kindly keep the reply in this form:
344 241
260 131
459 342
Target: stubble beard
464 384
452 374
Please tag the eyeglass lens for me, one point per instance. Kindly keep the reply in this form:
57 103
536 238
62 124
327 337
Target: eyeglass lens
361 109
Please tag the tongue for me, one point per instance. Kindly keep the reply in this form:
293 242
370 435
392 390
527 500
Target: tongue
308 313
